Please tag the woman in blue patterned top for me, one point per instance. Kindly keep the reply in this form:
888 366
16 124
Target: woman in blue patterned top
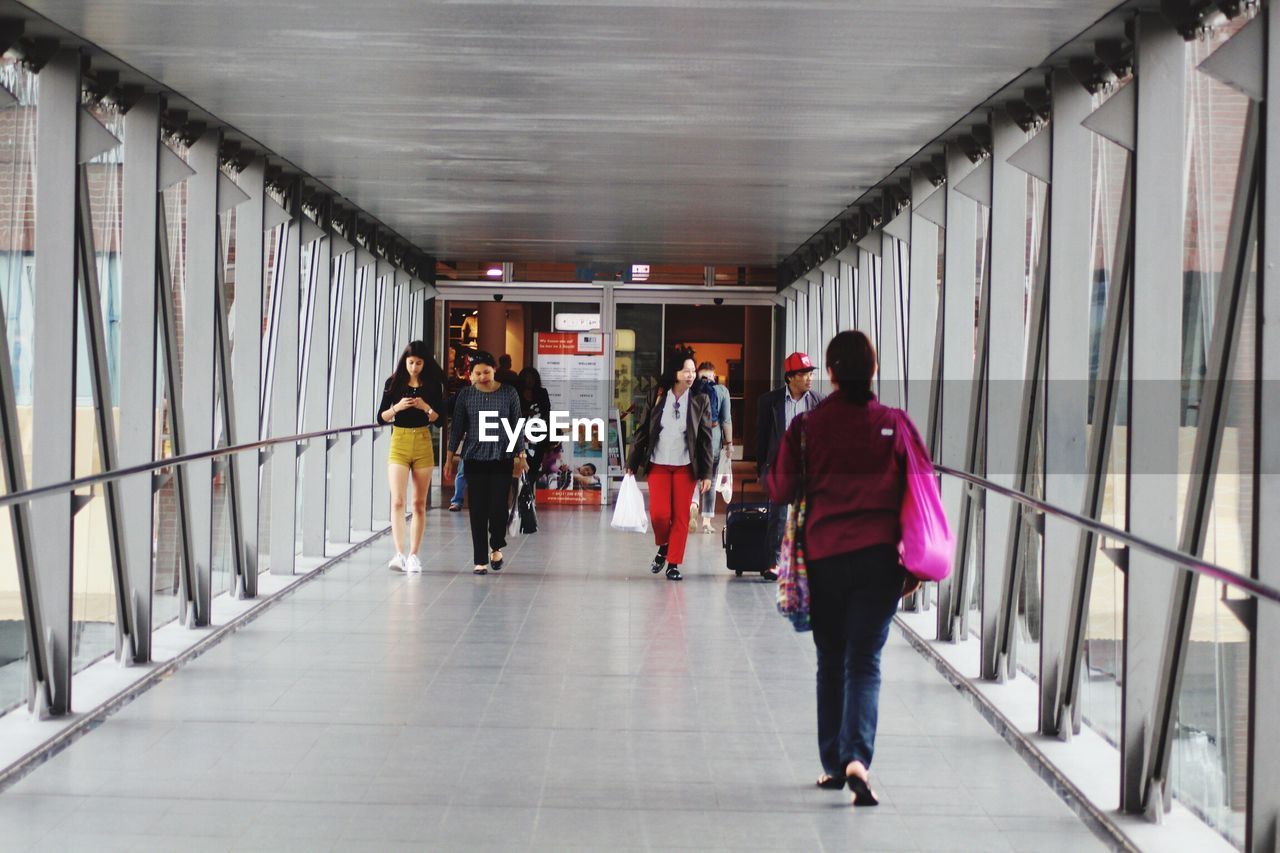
490 465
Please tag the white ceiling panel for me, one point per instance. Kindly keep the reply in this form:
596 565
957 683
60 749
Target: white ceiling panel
699 132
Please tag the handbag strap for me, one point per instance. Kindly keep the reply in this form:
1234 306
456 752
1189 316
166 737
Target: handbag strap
802 492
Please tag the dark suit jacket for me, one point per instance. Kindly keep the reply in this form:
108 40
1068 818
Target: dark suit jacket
771 424
697 435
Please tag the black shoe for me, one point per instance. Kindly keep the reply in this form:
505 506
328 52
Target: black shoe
862 795
769 575
830 783
659 560
673 573
496 565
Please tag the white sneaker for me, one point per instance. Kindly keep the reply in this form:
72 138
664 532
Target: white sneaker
412 563
396 563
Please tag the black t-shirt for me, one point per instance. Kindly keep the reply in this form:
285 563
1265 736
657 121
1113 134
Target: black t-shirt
411 418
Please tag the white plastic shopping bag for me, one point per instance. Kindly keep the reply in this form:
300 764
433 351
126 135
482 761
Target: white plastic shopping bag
724 476
628 513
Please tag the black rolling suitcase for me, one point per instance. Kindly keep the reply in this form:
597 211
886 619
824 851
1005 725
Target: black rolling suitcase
745 536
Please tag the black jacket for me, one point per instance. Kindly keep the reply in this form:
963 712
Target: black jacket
771 424
697 435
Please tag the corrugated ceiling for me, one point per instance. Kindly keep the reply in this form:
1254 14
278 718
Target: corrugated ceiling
683 132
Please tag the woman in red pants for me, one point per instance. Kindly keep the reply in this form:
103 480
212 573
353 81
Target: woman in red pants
673 442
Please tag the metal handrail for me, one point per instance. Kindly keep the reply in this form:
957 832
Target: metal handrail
120 473
1186 561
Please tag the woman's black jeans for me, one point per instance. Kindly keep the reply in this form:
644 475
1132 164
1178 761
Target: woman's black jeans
488 490
852 601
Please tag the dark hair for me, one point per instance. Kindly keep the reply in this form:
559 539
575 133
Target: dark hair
852 360
505 360
706 365
530 373
590 465
399 378
679 355
481 357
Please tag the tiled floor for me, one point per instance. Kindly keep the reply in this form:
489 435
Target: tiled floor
573 701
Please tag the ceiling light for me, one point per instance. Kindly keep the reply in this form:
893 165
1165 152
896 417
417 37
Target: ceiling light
494 272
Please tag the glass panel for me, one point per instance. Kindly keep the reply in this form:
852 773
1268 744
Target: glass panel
272 276
93 589
1026 639
309 258
223 555
1210 742
13 628
973 583
17 265
167 583
638 358
1101 674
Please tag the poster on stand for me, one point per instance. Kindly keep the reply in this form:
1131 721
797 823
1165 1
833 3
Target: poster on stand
572 366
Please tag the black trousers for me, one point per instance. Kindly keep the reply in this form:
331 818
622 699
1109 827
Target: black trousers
489 489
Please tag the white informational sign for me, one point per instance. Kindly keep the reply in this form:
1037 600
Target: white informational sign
577 322
573 369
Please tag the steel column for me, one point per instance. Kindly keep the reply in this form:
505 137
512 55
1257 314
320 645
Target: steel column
386 354
228 196
956 366
922 309
890 374
366 395
138 311
198 304
1263 823
815 342
246 359
863 318
338 521
284 398
315 412
1066 369
1006 347
1155 381
54 350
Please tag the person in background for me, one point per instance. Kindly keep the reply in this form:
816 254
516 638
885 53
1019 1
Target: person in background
490 465
673 443
535 402
721 436
852 468
505 374
456 383
412 399
459 488
775 412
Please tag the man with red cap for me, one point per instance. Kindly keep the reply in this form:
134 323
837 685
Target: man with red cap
777 409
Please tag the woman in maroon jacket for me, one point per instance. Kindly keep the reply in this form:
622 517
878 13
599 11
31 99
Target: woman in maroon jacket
853 474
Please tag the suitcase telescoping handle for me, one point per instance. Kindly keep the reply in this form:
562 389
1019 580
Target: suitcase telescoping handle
742 487
724 531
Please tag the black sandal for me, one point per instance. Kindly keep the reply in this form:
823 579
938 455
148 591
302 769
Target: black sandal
830 783
659 560
673 573
496 565
862 795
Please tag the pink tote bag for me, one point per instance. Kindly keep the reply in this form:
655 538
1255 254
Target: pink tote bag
927 545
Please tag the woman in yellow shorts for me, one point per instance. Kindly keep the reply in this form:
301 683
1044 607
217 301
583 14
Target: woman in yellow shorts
412 399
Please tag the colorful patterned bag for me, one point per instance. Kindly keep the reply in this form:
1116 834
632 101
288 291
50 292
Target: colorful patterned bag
793 574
